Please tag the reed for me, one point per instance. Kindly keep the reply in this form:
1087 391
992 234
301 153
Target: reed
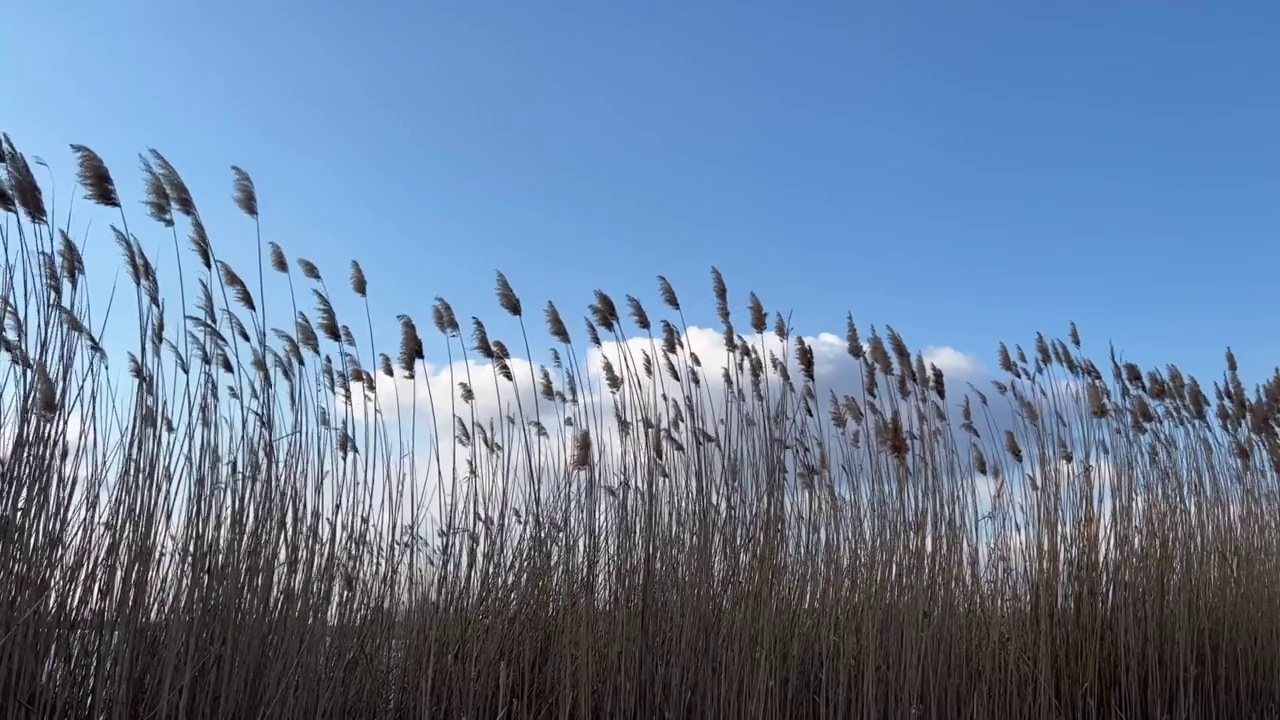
267 516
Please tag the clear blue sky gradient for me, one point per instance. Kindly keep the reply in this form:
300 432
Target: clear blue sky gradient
967 172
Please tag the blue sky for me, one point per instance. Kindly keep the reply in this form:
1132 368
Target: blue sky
967 172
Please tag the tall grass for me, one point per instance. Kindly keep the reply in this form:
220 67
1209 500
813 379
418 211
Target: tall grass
278 520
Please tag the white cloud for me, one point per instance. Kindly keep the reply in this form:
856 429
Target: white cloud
421 411
952 361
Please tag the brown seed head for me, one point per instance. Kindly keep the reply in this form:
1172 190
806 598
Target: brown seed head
410 344
668 294
555 324
72 260
880 354
174 185
94 177
855 348
759 319
593 335
480 338
309 269
804 357
604 311
359 285
507 297
545 386
896 438
582 450
246 196
938 382
328 319
46 394
159 204
7 202
721 293
1011 444
22 183
1006 361
278 261
444 319
780 329
239 290
200 242
638 315
670 338
610 375
1042 350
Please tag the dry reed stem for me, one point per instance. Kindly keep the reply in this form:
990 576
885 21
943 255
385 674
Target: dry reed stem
239 536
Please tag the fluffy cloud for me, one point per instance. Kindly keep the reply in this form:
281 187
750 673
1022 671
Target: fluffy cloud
447 413
437 392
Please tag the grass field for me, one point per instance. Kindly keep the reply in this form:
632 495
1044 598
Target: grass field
248 514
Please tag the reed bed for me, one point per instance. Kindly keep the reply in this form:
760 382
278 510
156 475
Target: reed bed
254 512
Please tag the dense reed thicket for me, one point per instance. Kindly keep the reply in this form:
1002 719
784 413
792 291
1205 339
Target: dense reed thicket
278 520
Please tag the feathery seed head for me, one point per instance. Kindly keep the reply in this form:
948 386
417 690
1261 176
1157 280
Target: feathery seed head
246 196
938 382
546 388
880 354
604 311
610 375
670 338
721 294
174 185
593 335
26 192
410 344
328 320
94 177
855 348
309 269
1011 444
759 318
804 357
668 294
979 461
7 202
444 319
582 450
900 351
72 260
359 285
1006 361
200 242
239 290
278 261
507 297
895 438
638 315
46 393
480 339
500 350
1042 350
159 204
555 324
920 373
